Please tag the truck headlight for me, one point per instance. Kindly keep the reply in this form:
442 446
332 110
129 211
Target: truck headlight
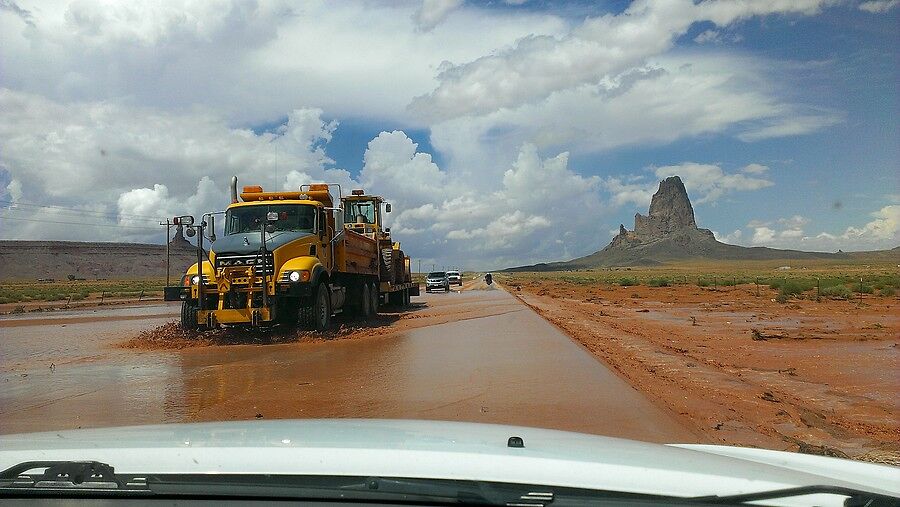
296 276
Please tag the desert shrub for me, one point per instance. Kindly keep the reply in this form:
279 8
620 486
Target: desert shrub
837 292
887 291
628 282
831 282
792 287
782 297
705 282
659 282
862 288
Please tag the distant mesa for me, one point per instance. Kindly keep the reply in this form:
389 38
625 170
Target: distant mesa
179 241
670 233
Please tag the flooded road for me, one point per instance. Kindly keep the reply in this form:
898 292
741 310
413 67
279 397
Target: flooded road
476 355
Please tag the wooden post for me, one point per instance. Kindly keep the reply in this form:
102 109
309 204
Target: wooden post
102 295
141 296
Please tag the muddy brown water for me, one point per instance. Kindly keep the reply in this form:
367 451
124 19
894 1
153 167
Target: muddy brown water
511 367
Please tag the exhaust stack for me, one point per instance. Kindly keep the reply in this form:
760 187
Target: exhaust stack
234 194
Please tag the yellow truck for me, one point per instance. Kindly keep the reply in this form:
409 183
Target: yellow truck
293 258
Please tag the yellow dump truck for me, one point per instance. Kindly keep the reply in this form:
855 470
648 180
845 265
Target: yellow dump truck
293 258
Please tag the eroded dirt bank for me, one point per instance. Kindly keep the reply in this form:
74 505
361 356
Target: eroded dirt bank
816 376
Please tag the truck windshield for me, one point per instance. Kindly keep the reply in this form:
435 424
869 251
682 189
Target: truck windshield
291 217
359 212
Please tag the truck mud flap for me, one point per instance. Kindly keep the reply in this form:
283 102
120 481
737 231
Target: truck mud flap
414 290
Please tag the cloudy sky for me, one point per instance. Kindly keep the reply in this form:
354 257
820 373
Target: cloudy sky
503 132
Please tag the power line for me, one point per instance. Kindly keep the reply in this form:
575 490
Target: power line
78 223
69 215
78 210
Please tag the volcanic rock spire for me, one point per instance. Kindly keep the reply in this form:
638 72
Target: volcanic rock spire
670 211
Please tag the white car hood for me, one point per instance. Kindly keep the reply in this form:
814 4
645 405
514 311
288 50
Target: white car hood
446 450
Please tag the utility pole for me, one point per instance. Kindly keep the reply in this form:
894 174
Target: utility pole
168 225
420 266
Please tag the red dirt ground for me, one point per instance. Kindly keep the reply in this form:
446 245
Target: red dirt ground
816 376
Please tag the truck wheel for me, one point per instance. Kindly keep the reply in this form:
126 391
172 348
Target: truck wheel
317 316
323 308
189 316
365 302
375 298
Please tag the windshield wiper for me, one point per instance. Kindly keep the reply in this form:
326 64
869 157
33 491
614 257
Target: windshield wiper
67 475
95 478
855 497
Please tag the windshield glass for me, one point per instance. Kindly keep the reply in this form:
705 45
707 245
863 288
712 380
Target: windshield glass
359 212
291 217
669 221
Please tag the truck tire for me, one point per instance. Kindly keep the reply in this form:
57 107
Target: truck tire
317 316
375 298
365 302
189 316
406 298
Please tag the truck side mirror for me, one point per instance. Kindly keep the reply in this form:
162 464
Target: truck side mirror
387 208
212 227
270 228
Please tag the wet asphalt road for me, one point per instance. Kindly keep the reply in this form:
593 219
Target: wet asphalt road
513 367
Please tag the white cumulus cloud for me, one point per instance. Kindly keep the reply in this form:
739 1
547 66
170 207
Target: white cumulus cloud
433 12
878 6
710 181
602 46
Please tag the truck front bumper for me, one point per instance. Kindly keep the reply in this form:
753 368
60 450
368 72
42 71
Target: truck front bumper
252 316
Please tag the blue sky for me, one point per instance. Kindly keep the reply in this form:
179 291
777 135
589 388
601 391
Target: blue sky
502 133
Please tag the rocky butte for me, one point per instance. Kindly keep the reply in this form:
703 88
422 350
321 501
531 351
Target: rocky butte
668 233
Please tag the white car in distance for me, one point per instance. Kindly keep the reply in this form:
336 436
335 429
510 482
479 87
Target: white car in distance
455 277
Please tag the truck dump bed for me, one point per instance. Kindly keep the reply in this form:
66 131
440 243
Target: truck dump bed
356 253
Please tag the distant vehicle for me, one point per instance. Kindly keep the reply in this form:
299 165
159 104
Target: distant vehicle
488 279
455 277
437 280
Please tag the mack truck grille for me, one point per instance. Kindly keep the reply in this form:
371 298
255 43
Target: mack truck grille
243 261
